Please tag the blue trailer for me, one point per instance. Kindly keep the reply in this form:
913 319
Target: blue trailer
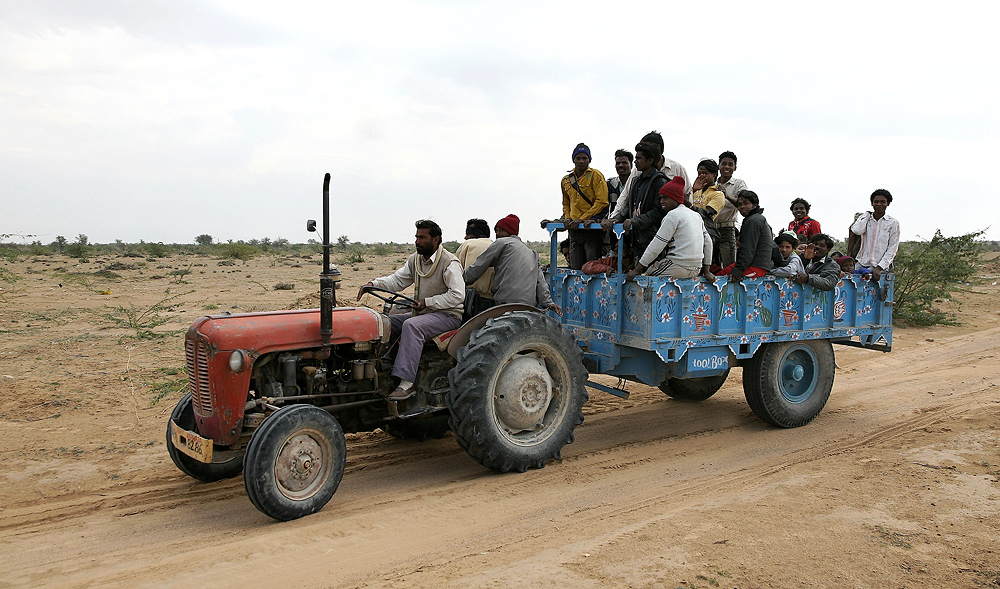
684 335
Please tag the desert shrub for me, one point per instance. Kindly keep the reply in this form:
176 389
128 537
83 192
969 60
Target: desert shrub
928 272
156 250
238 250
77 250
354 257
284 286
382 249
203 239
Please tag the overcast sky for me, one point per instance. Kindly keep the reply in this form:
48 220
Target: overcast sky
164 119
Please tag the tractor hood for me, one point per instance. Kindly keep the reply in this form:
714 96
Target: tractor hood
260 333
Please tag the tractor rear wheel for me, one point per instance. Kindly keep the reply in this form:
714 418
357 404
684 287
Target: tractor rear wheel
787 384
517 391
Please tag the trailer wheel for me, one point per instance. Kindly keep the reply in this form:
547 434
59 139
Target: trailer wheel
694 390
787 384
183 415
418 429
517 392
295 462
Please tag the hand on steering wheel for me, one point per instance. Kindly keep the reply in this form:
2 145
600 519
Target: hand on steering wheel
389 297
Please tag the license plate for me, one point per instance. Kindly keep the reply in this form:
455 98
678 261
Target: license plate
191 443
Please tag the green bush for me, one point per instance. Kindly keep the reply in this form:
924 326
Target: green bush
928 273
157 250
238 251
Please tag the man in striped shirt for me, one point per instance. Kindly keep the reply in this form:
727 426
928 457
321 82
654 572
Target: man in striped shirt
879 235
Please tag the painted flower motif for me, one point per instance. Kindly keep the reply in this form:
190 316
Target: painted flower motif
708 298
808 316
768 286
672 294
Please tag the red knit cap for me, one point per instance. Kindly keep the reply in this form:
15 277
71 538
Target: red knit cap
510 224
674 189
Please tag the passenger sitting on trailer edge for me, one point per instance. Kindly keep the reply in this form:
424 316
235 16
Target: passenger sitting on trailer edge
439 292
518 277
681 247
821 272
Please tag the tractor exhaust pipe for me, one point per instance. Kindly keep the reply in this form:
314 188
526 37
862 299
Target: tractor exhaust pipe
330 276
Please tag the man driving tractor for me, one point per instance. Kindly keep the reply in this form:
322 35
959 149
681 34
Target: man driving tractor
439 291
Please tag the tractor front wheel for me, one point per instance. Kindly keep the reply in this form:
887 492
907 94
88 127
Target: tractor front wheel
183 416
295 462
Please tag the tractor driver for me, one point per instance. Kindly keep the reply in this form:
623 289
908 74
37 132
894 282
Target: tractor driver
439 292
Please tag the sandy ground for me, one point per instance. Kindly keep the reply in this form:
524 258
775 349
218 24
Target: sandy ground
894 485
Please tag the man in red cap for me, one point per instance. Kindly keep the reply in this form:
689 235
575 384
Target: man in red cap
518 277
681 247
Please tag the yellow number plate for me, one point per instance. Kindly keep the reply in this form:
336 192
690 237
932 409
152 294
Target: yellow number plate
191 443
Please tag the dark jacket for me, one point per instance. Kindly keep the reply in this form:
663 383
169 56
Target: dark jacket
643 207
824 274
756 243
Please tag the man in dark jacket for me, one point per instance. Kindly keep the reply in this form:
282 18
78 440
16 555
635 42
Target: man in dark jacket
822 272
641 216
753 259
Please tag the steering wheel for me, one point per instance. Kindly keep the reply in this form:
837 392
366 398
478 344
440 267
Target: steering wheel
390 297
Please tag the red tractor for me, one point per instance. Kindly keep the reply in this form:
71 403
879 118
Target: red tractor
272 394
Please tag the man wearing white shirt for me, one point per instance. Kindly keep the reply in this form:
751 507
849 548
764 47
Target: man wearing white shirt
727 218
879 235
681 247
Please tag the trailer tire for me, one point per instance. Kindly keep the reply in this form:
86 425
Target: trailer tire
183 415
787 384
418 429
294 462
517 391
694 390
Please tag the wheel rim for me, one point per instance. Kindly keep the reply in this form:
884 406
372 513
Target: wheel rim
530 394
798 374
303 464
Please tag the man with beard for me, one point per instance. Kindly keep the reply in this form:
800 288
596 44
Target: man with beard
623 167
439 292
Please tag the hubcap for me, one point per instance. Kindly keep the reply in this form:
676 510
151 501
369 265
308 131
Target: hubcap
523 393
798 374
303 464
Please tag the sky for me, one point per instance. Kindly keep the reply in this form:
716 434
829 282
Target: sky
162 120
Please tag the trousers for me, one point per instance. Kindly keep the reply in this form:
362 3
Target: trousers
413 332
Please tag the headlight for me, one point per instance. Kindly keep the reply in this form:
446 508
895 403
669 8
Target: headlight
237 360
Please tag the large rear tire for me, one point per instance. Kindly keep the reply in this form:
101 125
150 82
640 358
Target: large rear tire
787 384
295 462
183 416
694 390
517 392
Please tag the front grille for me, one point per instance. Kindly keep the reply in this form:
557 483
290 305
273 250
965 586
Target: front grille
197 368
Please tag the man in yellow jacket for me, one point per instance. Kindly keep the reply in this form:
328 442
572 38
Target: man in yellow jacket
585 200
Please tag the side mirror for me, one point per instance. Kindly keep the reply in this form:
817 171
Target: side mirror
311 225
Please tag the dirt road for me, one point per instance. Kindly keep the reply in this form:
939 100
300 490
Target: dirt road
896 484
